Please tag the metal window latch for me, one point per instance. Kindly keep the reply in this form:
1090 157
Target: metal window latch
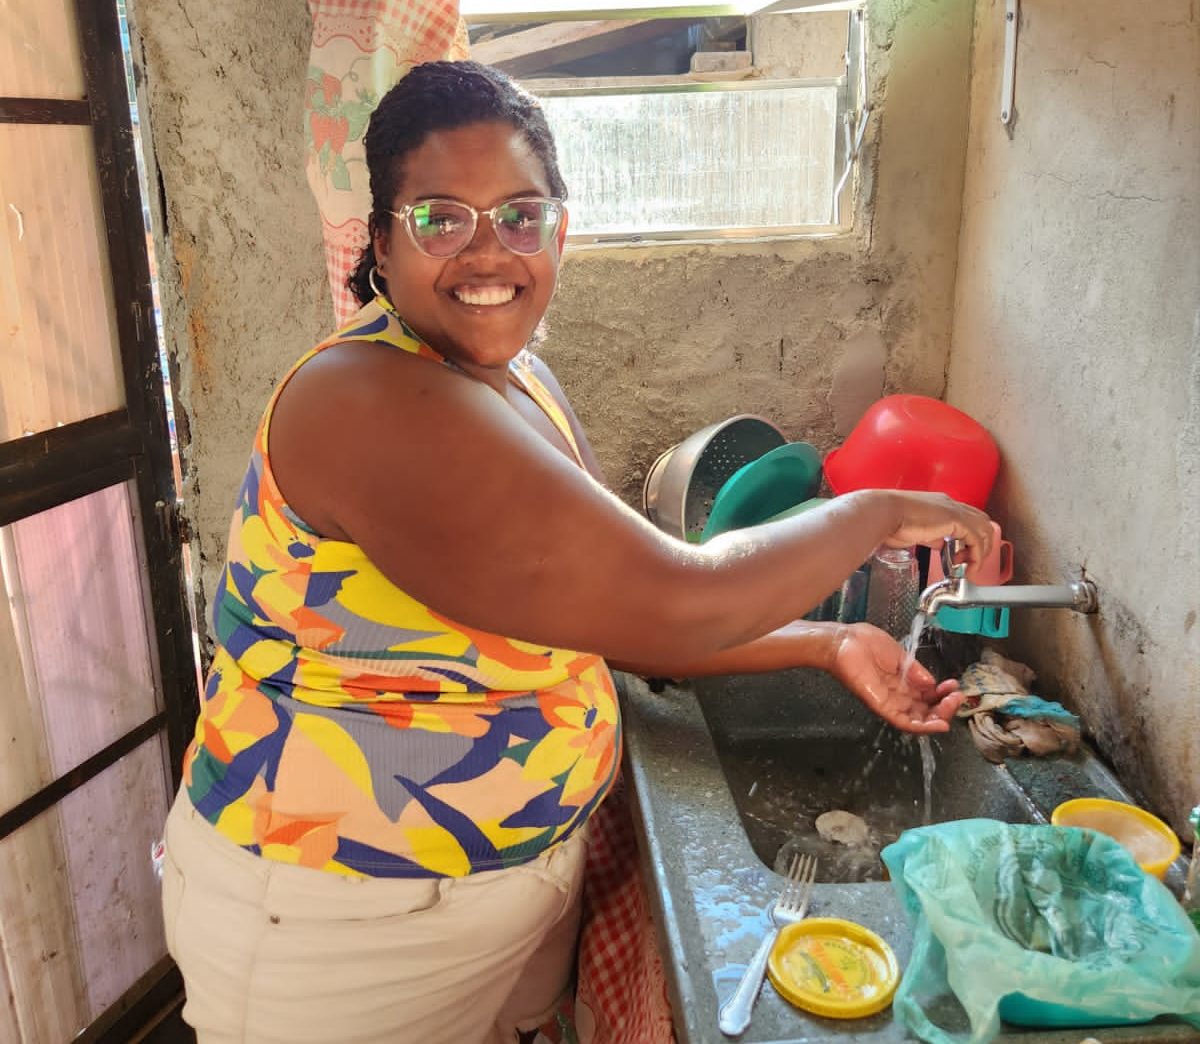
1012 15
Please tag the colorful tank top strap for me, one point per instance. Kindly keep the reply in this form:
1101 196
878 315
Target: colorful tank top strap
521 373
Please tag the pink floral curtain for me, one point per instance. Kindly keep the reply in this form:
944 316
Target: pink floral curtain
359 49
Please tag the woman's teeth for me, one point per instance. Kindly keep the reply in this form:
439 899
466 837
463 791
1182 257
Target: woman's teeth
485 295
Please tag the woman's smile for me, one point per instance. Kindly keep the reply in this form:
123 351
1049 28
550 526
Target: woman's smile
487 296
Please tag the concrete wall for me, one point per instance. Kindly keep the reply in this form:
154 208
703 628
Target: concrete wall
1077 342
241 267
653 343
650 343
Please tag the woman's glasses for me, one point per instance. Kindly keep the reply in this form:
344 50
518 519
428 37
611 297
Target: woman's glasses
442 228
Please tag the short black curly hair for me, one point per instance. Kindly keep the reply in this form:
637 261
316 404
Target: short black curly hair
438 96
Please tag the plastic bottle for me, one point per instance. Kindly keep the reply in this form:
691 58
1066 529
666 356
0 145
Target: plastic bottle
894 590
848 604
1191 888
852 598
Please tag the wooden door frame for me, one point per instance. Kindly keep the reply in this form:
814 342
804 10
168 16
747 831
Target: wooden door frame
132 444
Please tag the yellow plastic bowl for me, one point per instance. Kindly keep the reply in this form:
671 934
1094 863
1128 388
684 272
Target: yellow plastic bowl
1152 843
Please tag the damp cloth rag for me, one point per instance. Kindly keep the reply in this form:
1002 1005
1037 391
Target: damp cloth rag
1006 720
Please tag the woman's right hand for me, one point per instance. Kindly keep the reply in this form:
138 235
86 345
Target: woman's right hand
928 518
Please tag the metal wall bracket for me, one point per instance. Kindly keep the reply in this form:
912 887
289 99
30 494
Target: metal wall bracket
854 101
1012 15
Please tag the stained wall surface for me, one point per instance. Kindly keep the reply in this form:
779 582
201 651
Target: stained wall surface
651 343
1077 342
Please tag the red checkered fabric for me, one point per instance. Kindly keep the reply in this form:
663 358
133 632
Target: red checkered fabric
421 30
621 977
343 248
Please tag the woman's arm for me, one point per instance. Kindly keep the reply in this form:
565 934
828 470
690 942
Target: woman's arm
801 643
863 658
463 505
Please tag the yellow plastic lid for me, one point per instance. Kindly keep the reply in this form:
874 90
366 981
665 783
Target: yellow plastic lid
834 968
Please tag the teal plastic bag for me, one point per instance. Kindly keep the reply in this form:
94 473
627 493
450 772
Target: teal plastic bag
1043 925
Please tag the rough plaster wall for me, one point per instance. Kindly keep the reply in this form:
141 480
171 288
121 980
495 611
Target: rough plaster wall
650 343
1077 342
798 44
241 268
915 222
653 343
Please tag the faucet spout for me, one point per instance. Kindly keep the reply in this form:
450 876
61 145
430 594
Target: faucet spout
944 592
1079 595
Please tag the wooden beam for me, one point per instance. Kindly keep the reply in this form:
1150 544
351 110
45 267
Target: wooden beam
529 51
45 110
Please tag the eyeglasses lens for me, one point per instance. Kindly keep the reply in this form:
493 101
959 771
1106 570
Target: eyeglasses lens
526 226
443 228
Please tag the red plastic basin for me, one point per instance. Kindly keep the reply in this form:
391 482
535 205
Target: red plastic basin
918 443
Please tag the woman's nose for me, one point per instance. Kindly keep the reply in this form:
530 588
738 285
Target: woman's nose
485 240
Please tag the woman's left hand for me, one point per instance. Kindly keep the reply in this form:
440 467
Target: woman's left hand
867 661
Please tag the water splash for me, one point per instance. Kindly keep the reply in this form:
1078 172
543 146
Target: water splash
876 751
928 764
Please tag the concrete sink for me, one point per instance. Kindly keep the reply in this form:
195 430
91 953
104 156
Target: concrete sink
794 745
727 774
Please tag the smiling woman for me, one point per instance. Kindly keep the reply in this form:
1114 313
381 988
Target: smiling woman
409 720
481 304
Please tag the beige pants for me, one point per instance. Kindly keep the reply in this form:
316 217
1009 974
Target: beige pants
277 953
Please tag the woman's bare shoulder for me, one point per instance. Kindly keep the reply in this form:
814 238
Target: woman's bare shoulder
362 375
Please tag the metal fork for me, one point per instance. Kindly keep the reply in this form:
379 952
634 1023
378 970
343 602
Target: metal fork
790 907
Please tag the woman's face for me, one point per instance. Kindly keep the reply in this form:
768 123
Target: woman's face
481 306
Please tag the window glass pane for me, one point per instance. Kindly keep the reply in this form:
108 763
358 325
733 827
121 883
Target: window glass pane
690 161
59 358
76 664
79 902
39 50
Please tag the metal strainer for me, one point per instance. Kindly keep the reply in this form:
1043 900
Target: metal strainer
681 484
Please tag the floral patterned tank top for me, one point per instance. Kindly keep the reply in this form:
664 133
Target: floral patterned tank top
345 726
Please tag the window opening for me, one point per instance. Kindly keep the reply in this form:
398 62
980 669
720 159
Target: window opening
714 123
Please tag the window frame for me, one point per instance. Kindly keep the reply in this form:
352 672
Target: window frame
132 444
852 114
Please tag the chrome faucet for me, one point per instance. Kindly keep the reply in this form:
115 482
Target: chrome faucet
957 591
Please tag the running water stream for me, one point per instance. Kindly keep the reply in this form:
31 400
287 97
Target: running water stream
928 765
912 642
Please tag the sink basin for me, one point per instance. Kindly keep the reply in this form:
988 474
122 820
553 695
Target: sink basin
709 838
794 744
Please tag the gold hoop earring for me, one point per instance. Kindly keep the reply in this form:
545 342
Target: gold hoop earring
371 281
